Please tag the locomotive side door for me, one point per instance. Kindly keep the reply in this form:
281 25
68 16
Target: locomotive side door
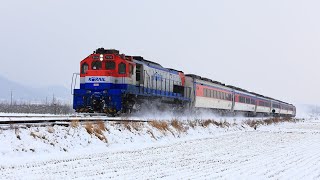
139 74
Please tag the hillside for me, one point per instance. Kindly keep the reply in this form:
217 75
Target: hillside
22 93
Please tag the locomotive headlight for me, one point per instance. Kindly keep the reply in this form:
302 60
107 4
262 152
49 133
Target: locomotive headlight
101 57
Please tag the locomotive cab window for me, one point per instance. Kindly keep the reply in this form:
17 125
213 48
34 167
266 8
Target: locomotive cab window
96 65
131 69
122 68
110 65
84 68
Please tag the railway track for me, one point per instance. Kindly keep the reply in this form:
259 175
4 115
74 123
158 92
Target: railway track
59 120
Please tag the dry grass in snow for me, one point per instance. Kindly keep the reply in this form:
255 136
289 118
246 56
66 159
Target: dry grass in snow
255 123
97 129
74 123
160 125
178 125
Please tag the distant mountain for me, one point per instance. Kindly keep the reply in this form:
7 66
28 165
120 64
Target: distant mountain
22 93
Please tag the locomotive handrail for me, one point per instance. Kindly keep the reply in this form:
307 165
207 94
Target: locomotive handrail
73 85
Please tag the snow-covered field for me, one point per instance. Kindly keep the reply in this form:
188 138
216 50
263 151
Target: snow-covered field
287 150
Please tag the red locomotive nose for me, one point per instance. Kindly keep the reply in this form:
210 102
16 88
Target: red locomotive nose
98 65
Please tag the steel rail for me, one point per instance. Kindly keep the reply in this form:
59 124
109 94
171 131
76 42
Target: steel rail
61 119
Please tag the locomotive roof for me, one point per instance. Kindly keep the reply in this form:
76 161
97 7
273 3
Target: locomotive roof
140 58
174 70
106 51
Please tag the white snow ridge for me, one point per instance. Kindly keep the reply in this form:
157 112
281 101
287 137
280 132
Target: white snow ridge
194 149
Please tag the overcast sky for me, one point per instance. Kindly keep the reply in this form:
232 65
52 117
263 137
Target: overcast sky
271 47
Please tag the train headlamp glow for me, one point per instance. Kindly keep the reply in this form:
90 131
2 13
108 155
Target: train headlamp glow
101 57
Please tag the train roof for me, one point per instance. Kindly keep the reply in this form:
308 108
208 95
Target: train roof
193 76
205 79
236 88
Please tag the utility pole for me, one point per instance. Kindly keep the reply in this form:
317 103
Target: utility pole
11 98
54 104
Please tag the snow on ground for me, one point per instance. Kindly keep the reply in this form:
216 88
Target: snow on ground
285 150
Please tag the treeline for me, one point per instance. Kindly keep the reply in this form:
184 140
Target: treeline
36 108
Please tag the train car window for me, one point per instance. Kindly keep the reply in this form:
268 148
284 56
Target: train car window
110 65
122 68
253 101
96 65
84 68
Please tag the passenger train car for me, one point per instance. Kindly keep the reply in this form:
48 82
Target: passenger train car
115 83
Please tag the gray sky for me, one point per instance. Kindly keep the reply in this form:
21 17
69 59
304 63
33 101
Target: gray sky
271 47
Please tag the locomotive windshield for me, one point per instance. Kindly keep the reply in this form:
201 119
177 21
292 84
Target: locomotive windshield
122 68
110 65
84 68
96 65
